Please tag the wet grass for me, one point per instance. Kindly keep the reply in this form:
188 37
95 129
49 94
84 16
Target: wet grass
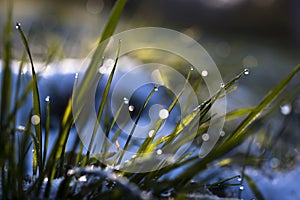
76 174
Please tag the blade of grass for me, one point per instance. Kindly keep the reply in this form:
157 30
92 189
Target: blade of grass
104 99
254 187
7 74
35 97
135 124
47 130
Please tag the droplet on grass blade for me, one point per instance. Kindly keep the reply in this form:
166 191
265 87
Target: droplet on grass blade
222 133
126 101
18 25
246 71
151 133
47 99
163 114
131 108
222 85
35 119
204 73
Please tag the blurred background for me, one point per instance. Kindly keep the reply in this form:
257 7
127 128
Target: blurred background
236 33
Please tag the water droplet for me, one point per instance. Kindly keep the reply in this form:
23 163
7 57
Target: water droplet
163 114
222 85
35 119
159 152
242 187
286 109
156 88
20 128
131 108
205 137
76 75
239 179
151 133
82 179
192 68
126 101
246 71
222 133
47 99
46 179
204 73
134 156
18 25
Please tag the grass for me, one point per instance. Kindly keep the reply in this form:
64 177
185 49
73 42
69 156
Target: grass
80 175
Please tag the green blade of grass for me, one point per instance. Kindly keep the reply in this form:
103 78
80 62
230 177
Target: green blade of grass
135 124
7 74
35 97
254 187
47 130
104 98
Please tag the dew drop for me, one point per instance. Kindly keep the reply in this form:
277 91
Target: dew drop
46 179
76 75
222 133
21 128
241 187
205 137
163 114
204 73
286 109
35 119
159 152
246 71
134 156
239 179
155 88
131 108
151 133
192 68
126 101
18 25
222 85
47 99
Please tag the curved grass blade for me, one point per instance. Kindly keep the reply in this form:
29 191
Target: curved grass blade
35 97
